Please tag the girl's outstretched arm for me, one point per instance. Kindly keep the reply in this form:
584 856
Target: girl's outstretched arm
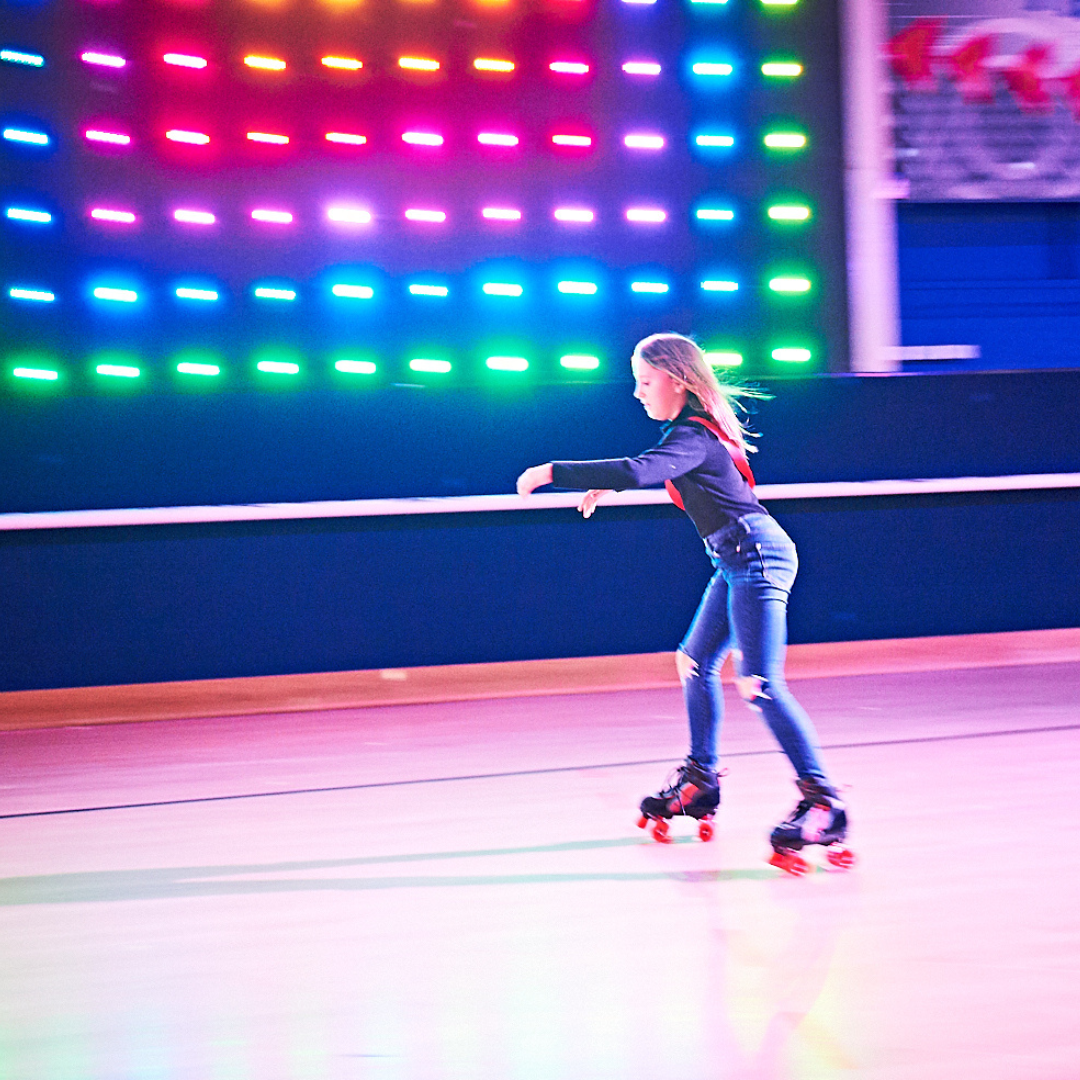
532 478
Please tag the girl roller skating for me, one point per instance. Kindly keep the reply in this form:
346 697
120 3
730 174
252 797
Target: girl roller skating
702 460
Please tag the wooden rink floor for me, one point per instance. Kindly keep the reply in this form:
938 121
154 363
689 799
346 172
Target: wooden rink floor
460 891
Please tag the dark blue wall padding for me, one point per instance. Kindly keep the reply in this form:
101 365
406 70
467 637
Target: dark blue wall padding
104 606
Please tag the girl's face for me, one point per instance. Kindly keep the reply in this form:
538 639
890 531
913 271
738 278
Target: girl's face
662 395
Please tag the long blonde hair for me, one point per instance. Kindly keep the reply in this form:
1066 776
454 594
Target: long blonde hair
683 359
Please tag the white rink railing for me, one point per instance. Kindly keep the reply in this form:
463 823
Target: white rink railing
483 504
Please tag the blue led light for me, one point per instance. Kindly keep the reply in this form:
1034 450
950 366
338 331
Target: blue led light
264 292
27 59
353 292
720 286
714 213
657 287
703 67
120 296
580 288
429 290
22 135
714 139
41 296
21 213
197 294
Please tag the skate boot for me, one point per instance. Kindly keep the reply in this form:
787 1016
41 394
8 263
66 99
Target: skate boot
692 790
820 818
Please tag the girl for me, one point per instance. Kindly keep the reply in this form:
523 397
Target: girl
701 458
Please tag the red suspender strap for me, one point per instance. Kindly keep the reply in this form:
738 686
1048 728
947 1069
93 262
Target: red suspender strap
732 448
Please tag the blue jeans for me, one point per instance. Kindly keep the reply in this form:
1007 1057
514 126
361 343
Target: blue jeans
745 608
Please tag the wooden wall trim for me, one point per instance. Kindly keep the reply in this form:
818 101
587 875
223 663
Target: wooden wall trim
28 709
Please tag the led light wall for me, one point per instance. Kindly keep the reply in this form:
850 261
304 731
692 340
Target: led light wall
308 193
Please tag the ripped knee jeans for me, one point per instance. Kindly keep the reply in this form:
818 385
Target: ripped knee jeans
744 610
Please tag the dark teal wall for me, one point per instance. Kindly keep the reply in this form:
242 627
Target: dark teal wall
102 606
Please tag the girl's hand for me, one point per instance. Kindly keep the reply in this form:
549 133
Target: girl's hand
532 478
590 499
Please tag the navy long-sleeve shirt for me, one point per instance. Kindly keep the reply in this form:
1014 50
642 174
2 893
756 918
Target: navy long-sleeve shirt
713 490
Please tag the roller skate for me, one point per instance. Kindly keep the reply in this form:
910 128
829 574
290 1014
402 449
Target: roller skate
820 818
692 790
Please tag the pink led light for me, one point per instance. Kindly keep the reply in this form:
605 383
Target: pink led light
121 217
646 215
568 67
501 213
572 140
644 142
641 67
114 138
103 60
183 60
436 216
194 217
273 217
422 138
574 214
345 138
495 138
266 137
195 138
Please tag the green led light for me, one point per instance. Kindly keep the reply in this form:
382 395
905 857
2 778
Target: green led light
781 69
779 3
355 367
720 286
429 366
264 293
502 288
791 212
278 367
790 355
353 292
43 374
187 368
714 213
579 362
118 371
581 288
785 140
789 284
429 290
723 358
507 363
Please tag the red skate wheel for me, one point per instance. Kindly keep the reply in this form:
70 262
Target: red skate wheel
642 822
705 830
790 862
840 857
660 832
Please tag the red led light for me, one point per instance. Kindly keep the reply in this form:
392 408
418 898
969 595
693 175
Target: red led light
496 138
572 140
